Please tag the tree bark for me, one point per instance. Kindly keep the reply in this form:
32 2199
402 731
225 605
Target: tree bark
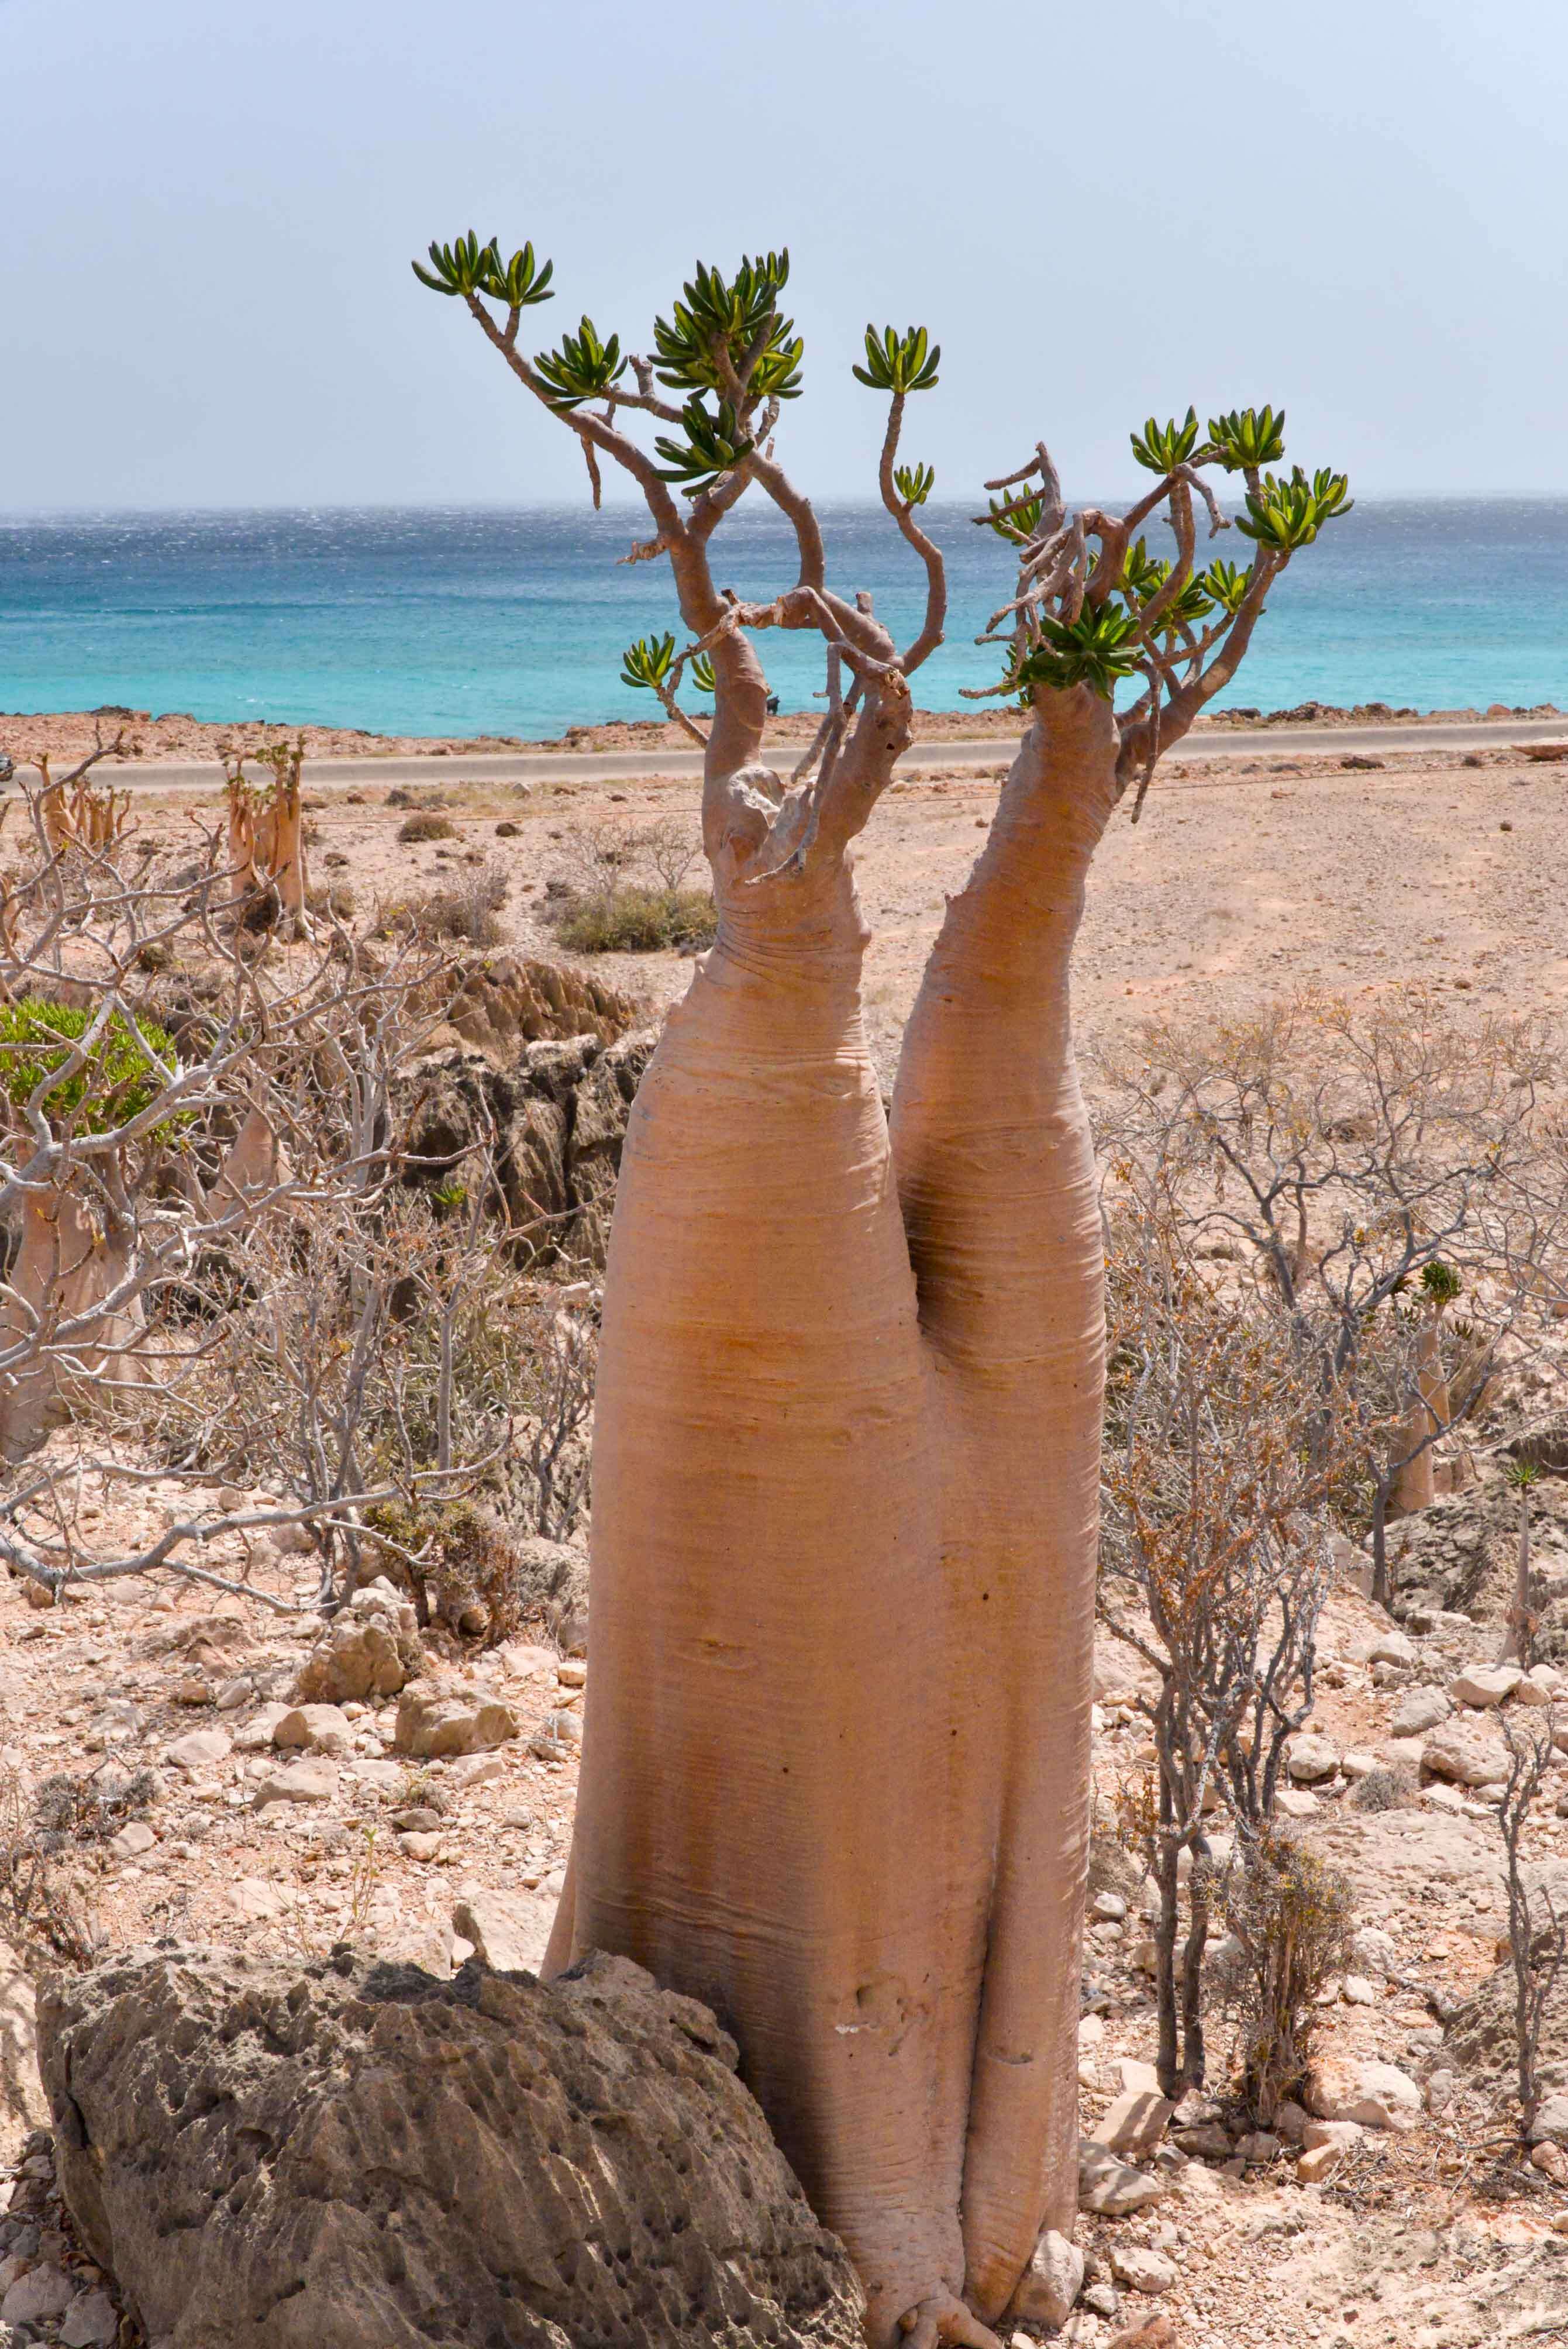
995 1170
64 1266
835 1769
1415 1485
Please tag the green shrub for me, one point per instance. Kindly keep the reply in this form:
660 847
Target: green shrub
458 1562
632 919
116 1082
1291 1917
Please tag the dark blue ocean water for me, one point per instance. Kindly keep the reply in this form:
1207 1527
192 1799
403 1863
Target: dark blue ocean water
446 623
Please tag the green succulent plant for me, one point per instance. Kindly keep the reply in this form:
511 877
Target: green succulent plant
1095 650
1225 585
1025 516
732 315
901 363
1248 437
648 663
1285 514
914 483
466 267
1163 447
583 367
700 670
116 1081
712 446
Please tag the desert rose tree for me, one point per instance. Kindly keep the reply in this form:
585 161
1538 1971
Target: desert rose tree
836 1773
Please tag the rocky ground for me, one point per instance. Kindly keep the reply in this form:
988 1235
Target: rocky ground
267 1792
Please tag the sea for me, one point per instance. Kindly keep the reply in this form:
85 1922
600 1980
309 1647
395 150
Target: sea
513 621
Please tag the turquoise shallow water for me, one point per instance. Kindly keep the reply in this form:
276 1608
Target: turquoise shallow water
512 622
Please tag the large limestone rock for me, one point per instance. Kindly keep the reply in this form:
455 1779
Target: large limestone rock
1464 1753
343 2155
434 1721
370 1650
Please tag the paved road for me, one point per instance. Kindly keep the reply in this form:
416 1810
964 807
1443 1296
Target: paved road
587 766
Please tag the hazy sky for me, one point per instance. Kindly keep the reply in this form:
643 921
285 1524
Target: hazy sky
1356 207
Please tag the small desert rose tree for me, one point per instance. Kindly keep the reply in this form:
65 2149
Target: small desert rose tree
847 1452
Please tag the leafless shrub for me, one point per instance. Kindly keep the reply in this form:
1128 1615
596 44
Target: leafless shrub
624 893
46 1912
1365 1171
1386 1790
1537 1934
1292 1919
1216 1567
457 1561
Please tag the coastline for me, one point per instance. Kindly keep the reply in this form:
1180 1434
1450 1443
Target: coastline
175 738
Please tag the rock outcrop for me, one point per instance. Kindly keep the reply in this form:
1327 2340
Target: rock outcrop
555 1119
346 2156
369 1650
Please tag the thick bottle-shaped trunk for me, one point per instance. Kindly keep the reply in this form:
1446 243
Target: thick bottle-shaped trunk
835 1775
1415 1485
760 1821
996 1169
64 1266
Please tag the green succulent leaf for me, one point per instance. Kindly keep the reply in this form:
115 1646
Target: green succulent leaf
583 369
1142 574
1285 514
647 663
1441 1283
1095 650
700 670
717 316
896 362
1163 447
1025 516
914 483
713 445
517 282
116 1082
1248 437
462 267
1225 585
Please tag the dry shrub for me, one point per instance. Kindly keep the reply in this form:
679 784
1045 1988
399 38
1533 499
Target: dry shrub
1386 1790
457 1561
425 824
464 912
45 1913
1292 1917
633 919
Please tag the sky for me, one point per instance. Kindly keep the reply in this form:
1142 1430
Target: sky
1356 208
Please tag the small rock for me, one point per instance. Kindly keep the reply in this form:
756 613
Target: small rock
314 1728
419 1847
1291 2122
459 1721
255 1735
1108 1905
1356 1991
1357 1763
1379 2096
44 2291
1374 1951
420 1820
92 2321
1540 1685
314 1780
1205 2141
475 1770
509 1929
134 1839
1110 2188
1420 1710
1440 2087
1295 1803
1258 2148
370 1650
1484 1686
1158 2333
1551 2162
1341 2134
192 1690
1051 2283
1142 2269
200 1749
1318 2162
1551 2120
1100 2298
1392 1647
1312 1759
1135 2122
1466 1753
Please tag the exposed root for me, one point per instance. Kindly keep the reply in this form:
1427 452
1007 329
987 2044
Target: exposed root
943 2320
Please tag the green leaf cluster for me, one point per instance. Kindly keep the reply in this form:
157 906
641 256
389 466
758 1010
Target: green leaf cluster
648 663
1219 588
1285 514
914 483
1248 437
583 367
466 267
116 1082
1163 447
896 362
712 446
733 317
1095 650
699 669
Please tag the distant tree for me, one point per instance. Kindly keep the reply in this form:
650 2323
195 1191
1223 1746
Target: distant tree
846 1451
